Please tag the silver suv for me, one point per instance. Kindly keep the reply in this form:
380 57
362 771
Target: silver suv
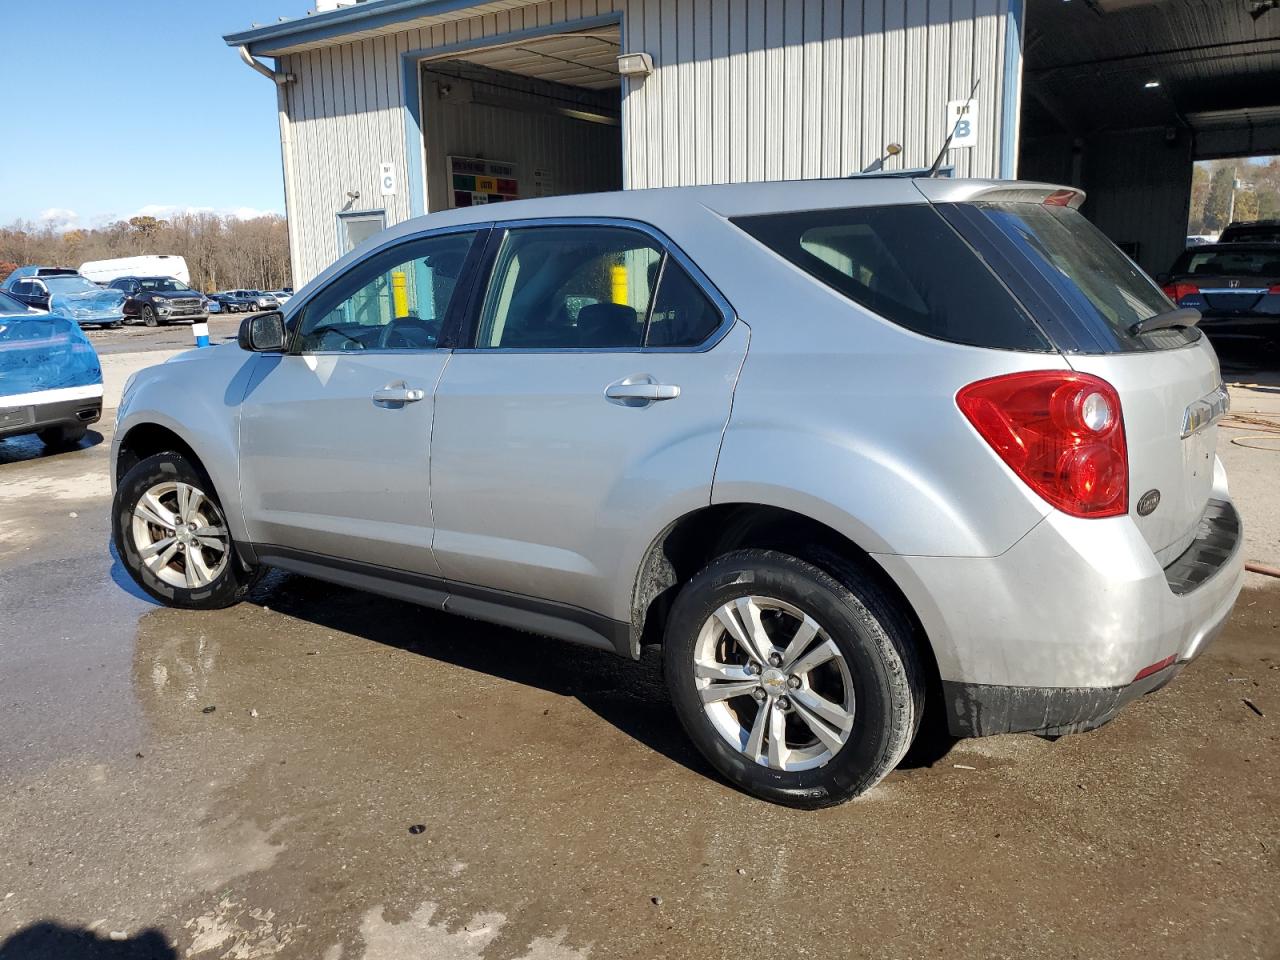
845 449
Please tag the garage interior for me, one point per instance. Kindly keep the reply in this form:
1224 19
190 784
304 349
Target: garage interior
535 118
1121 97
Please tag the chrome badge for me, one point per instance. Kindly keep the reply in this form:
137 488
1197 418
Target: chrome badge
1207 410
1148 503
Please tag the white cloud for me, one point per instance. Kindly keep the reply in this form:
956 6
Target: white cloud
60 218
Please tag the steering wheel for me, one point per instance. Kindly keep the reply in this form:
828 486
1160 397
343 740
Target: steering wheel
409 333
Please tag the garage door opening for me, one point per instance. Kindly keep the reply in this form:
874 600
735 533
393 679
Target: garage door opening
532 119
1120 97
1237 190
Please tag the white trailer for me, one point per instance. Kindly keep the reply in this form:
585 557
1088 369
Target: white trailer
150 265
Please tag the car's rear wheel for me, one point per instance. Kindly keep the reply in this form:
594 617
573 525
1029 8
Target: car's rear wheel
799 684
172 536
149 316
63 437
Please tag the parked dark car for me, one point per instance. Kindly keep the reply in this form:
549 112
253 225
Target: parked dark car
157 300
1257 231
1236 288
233 302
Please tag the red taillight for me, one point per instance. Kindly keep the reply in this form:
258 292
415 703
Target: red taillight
1176 291
1059 198
1274 288
1061 432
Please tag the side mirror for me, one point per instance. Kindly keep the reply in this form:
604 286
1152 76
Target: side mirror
263 333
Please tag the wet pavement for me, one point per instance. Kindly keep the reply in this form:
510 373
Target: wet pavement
323 774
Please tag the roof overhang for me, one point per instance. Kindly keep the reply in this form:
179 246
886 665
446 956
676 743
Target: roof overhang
360 21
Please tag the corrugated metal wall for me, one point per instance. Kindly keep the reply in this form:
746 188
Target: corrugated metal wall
785 89
742 90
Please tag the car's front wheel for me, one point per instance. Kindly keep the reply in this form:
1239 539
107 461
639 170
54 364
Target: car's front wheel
799 684
172 536
149 317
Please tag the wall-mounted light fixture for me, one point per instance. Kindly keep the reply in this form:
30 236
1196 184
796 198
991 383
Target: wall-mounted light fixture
635 64
1151 84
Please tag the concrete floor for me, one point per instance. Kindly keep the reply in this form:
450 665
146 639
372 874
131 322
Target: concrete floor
322 774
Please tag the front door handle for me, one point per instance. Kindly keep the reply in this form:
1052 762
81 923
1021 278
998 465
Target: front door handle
640 391
398 394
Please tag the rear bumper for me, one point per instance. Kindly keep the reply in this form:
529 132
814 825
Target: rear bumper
1055 635
33 413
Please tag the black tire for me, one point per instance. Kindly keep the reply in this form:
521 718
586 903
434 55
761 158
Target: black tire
149 316
874 638
113 326
64 437
235 578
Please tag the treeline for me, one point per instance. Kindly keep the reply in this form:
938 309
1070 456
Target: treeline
222 253
1256 189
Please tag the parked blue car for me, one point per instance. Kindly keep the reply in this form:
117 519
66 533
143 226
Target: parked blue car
64 291
50 377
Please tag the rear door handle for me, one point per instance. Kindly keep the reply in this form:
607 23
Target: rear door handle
640 391
398 393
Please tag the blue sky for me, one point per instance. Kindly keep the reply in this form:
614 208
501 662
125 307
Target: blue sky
96 90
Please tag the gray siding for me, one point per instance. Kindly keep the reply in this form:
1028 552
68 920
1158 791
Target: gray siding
742 90
788 89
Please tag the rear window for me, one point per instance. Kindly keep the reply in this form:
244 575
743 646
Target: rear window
906 264
1234 263
1106 290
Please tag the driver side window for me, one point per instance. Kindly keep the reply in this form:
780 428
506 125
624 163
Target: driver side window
395 300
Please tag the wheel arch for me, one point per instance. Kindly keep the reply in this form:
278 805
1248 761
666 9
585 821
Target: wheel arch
689 543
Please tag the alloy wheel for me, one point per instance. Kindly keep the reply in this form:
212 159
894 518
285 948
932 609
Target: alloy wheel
180 535
774 684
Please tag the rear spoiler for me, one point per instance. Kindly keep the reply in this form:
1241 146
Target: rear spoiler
999 191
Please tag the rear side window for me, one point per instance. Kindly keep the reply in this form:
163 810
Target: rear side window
906 264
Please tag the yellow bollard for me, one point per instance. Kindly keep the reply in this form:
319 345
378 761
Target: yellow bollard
618 275
399 294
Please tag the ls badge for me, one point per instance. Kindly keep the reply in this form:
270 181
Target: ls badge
1148 503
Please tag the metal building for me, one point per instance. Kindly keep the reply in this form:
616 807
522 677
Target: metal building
393 108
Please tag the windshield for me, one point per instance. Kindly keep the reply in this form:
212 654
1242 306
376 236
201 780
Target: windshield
164 285
1219 261
70 285
1098 282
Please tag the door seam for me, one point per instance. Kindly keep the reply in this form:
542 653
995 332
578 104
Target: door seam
733 393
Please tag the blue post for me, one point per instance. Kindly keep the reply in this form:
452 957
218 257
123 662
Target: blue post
201 332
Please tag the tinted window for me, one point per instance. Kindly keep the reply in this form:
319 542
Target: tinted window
395 300
905 264
682 315
1098 282
1220 261
569 288
164 285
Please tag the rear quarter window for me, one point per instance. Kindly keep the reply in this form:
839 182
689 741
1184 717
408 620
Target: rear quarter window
905 264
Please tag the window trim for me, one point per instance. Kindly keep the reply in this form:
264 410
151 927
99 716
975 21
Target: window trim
466 340
448 323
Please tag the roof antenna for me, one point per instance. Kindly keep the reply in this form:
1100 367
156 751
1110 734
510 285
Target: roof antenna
892 150
937 164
